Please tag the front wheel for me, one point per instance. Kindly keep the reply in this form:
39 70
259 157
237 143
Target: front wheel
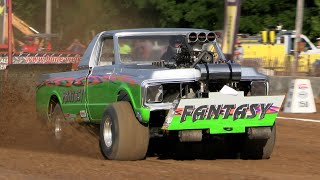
259 148
122 136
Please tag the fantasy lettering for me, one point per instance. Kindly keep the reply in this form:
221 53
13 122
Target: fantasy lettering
73 96
186 112
208 112
215 111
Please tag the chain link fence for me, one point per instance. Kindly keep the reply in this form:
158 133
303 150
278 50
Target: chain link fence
308 65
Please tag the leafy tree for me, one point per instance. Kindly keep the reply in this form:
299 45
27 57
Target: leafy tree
257 15
31 11
314 28
185 13
78 18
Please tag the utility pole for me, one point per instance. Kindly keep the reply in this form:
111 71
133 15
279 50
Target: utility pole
9 5
48 16
231 26
299 23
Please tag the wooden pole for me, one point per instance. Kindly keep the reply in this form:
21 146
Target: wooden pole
9 31
299 24
48 16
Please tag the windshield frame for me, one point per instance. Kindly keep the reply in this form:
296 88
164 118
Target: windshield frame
157 33
130 34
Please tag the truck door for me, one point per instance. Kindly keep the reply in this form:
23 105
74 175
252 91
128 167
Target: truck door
97 93
73 94
72 87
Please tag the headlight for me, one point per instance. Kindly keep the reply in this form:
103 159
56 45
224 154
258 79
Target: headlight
259 88
154 94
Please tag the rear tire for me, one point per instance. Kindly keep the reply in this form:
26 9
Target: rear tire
259 149
57 123
122 136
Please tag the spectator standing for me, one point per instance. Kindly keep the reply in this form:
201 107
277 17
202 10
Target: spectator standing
318 42
76 46
48 45
29 46
239 51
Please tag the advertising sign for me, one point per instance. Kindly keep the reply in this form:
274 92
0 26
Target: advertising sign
231 25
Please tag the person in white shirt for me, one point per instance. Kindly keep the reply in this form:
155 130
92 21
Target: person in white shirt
318 42
238 53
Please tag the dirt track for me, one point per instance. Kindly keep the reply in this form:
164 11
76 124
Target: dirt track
296 156
27 151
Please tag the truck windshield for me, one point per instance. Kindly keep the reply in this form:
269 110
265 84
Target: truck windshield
134 49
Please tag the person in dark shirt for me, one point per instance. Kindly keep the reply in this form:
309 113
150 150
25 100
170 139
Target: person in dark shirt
175 44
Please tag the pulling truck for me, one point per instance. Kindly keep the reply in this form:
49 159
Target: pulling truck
276 51
167 83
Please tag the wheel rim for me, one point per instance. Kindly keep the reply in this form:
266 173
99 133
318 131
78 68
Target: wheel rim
107 133
58 127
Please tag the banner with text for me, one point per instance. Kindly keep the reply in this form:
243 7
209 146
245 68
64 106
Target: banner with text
231 26
41 59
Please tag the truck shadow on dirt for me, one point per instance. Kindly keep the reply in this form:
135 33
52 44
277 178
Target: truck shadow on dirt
175 150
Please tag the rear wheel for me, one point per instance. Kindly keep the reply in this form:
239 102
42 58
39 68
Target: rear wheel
259 148
57 122
122 136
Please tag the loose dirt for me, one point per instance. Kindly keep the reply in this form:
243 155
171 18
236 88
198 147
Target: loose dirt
28 151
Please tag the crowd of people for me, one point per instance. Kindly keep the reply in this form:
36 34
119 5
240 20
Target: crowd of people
37 44
141 50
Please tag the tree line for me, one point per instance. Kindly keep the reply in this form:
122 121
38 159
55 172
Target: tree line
82 18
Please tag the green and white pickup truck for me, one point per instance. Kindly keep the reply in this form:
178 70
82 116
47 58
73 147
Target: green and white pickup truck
169 83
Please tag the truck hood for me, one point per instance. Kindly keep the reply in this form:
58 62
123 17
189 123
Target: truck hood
152 74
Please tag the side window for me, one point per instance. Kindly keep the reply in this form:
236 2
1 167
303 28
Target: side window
306 44
107 52
292 44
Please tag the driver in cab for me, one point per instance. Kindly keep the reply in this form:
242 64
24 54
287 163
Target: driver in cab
173 49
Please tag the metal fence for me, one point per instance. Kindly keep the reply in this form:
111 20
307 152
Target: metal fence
306 66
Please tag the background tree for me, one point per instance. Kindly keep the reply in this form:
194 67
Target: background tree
80 18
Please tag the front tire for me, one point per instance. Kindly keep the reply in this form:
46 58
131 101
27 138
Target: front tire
122 136
259 148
